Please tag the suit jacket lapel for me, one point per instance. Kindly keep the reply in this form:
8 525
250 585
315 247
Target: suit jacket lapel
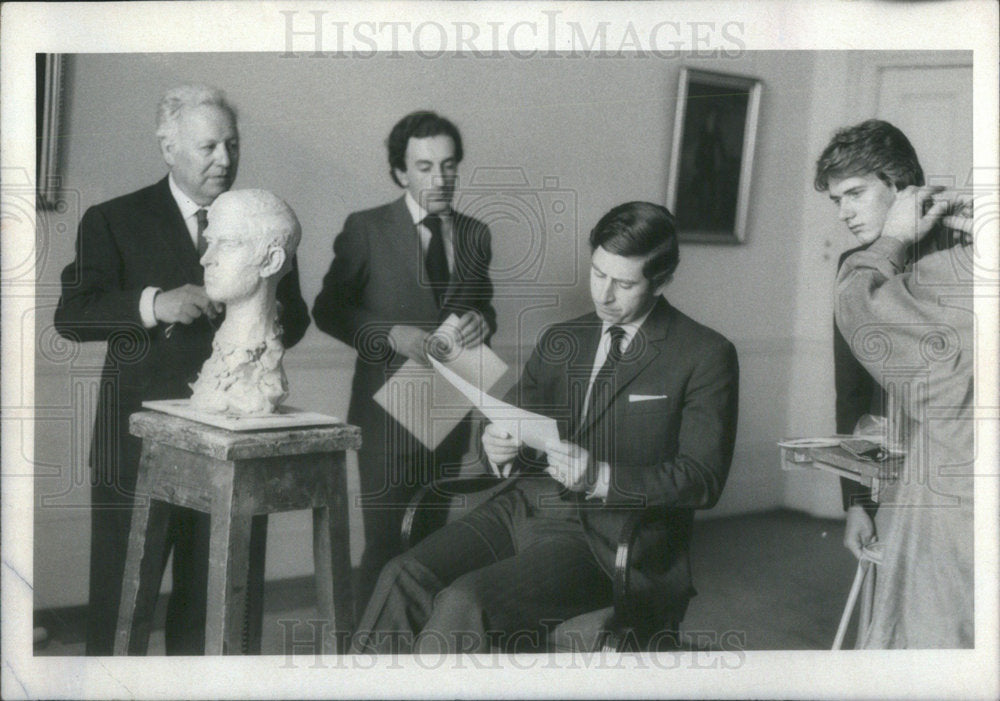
174 232
401 235
581 366
645 347
461 241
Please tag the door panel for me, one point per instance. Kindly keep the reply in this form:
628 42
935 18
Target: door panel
933 107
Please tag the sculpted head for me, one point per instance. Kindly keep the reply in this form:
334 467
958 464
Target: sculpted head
252 236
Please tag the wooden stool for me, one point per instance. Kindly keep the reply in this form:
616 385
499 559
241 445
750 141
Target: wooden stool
235 477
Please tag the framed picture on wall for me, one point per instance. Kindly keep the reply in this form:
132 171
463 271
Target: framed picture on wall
711 160
49 76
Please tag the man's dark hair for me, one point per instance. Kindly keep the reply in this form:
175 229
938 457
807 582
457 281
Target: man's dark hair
418 125
640 229
873 146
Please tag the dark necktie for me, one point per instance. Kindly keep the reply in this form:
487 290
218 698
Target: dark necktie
603 385
435 261
202 215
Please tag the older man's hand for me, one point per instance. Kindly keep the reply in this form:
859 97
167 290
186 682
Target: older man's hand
182 305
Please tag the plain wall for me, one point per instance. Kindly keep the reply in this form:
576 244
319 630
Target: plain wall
588 133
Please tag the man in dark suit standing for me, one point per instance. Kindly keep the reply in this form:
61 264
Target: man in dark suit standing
646 400
398 271
137 284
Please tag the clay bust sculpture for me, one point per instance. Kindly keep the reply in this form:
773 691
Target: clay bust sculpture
252 236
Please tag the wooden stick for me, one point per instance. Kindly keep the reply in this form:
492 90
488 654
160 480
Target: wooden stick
852 597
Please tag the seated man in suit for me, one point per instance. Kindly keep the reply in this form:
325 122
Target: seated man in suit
137 284
398 271
646 399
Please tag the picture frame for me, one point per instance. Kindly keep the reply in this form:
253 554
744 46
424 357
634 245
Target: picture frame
50 72
711 161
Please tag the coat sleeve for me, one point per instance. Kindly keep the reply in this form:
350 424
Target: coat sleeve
909 314
339 307
483 286
476 290
294 314
695 475
94 302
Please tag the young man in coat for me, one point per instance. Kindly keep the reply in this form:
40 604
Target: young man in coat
137 284
918 316
862 169
646 400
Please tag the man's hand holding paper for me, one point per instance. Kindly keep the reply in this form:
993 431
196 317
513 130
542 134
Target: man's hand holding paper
570 465
534 430
448 346
501 449
471 329
410 341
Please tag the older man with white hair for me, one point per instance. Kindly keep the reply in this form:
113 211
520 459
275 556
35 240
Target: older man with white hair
137 284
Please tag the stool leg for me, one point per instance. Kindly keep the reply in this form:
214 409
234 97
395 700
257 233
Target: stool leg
333 568
141 582
255 585
228 570
143 570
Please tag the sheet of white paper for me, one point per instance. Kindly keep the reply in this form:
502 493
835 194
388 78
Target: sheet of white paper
527 427
480 366
424 404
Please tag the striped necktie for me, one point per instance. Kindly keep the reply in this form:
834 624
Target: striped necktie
202 215
603 384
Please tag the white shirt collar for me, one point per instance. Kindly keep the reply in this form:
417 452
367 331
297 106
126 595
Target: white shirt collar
187 206
417 213
631 328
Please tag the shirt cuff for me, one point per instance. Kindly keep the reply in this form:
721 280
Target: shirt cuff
146 306
603 482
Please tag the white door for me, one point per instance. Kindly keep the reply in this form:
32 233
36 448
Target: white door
933 107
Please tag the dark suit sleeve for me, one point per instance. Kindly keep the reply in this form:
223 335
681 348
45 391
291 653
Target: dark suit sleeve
855 390
94 302
695 476
483 286
294 315
338 309
854 386
857 394
475 293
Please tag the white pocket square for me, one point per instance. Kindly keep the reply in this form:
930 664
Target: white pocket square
645 397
